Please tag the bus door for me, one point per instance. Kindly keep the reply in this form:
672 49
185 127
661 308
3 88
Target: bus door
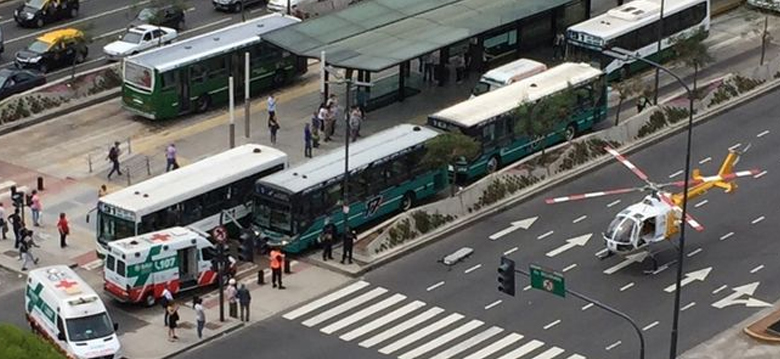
184 89
188 267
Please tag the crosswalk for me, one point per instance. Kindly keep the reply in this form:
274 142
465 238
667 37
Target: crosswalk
394 325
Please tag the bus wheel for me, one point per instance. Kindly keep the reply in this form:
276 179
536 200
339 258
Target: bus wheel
278 79
74 11
493 164
149 300
571 131
39 22
237 8
407 202
203 103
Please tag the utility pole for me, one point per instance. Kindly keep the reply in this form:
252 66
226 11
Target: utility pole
247 80
289 7
660 38
231 111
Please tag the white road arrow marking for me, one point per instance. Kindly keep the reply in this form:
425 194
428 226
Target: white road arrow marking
571 243
524 224
630 259
745 290
690 277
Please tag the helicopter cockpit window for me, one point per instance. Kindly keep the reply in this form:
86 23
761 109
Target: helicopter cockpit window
620 229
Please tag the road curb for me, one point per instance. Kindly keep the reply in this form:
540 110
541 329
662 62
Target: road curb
227 331
568 176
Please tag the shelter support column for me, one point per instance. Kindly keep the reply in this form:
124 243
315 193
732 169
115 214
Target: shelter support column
403 72
441 67
519 42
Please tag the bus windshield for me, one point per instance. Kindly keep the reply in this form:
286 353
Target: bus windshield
273 215
111 228
89 327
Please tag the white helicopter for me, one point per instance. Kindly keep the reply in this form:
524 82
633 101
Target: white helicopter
657 217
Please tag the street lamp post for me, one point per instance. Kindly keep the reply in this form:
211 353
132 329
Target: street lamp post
622 54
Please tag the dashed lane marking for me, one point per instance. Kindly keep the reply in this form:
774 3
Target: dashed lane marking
756 269
701 203
688 306
467 271
676 174
548 326
579 219
510 251
437 285
726 236
613 203
694 252
650 326
720 289
543 236
491 305
626 287
760 174
705 160
614 345
570 267
759 219
586 306
763 133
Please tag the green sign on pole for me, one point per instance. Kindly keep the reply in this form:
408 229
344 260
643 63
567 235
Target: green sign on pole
548 281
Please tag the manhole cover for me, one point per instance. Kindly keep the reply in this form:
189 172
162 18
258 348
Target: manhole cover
11 253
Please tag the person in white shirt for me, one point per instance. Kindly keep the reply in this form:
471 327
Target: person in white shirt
271 108
167 297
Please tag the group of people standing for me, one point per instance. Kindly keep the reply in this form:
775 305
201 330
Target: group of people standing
329 237
323 124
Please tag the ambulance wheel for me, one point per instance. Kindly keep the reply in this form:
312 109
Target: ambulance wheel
408 201
149 299
570 132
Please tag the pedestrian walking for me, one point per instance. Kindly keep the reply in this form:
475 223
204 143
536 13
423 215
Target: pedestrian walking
277 261
25 249
36 208
355 120
231 292
273 127
3 223
347 244
307 140
15 220
330 122
558 46
64 229
165 301
244 298
172 313
327 238
102 191
316 125
271 103
170 158
200 316
113 156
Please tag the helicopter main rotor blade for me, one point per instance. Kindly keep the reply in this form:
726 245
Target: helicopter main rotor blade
577 197
688 218
628 164
724 178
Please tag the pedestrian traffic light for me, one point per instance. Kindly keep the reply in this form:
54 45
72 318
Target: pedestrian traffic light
246 251
17 198
506 276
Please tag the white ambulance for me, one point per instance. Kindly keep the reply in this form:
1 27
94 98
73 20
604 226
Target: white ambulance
507 74
137 269
67 312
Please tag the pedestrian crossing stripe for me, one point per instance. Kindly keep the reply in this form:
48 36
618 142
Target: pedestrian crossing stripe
410 330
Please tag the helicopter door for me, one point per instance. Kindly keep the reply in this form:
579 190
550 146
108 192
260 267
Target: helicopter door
648 230
660 227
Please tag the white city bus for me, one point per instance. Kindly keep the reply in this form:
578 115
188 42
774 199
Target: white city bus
196 195
773 5
634 27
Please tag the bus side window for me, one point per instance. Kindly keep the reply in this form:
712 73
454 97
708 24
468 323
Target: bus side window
193 210
197 73
332 196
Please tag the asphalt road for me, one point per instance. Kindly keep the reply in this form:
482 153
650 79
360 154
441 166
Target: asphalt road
104 21
738 244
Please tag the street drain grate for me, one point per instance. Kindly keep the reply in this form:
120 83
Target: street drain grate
11 253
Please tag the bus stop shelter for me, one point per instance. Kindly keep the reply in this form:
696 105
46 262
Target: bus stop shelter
377 35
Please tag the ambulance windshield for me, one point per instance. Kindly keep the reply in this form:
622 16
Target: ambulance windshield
89 328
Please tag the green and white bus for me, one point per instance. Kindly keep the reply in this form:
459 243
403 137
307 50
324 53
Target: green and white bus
192 75
197 195
634 27
490 118
385 176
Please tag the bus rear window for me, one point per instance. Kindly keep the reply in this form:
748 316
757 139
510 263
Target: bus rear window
120 267
110 262
139 76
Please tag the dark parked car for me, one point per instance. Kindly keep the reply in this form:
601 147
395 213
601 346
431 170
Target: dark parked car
13 81
235 5
40 12
169 16
54 49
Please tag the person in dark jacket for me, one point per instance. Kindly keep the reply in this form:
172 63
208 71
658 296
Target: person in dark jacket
244 298
347 243
328 237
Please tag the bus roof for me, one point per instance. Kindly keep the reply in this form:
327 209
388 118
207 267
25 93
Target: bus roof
169 236
64 283
212 172
361 154
631 15
504 73
489 105
216 42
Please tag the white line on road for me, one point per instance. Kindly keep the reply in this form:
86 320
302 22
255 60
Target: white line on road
97 263
491 305
569 267
650 326
523 350
437 285
325 300
344 307
701 203
586 306
6 21
734 147
579 219
759 219
400 328
495 346
705 160
726 236
110 33
355 317
720 289
601 252
694 252
626 287
610 204
543 236
384 320
676 174
527 288
762 134
421 333
467 271
760 174
510 251
614 345
548 326
687 306
756 269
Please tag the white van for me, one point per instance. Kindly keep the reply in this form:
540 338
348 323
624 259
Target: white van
310 8
67 312
507 74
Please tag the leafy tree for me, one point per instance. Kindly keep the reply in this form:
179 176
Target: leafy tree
449 148
692 52
19 344
625 90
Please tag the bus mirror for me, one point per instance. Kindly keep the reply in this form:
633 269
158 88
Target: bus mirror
61 336
116 326
87 217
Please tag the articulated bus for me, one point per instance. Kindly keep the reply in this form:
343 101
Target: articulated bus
634 27
490 118
385 176
192 75
202 195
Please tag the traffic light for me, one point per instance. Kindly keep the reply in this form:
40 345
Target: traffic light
17 198
246 251
506 276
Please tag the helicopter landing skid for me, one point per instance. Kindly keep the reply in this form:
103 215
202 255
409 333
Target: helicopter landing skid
656 268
